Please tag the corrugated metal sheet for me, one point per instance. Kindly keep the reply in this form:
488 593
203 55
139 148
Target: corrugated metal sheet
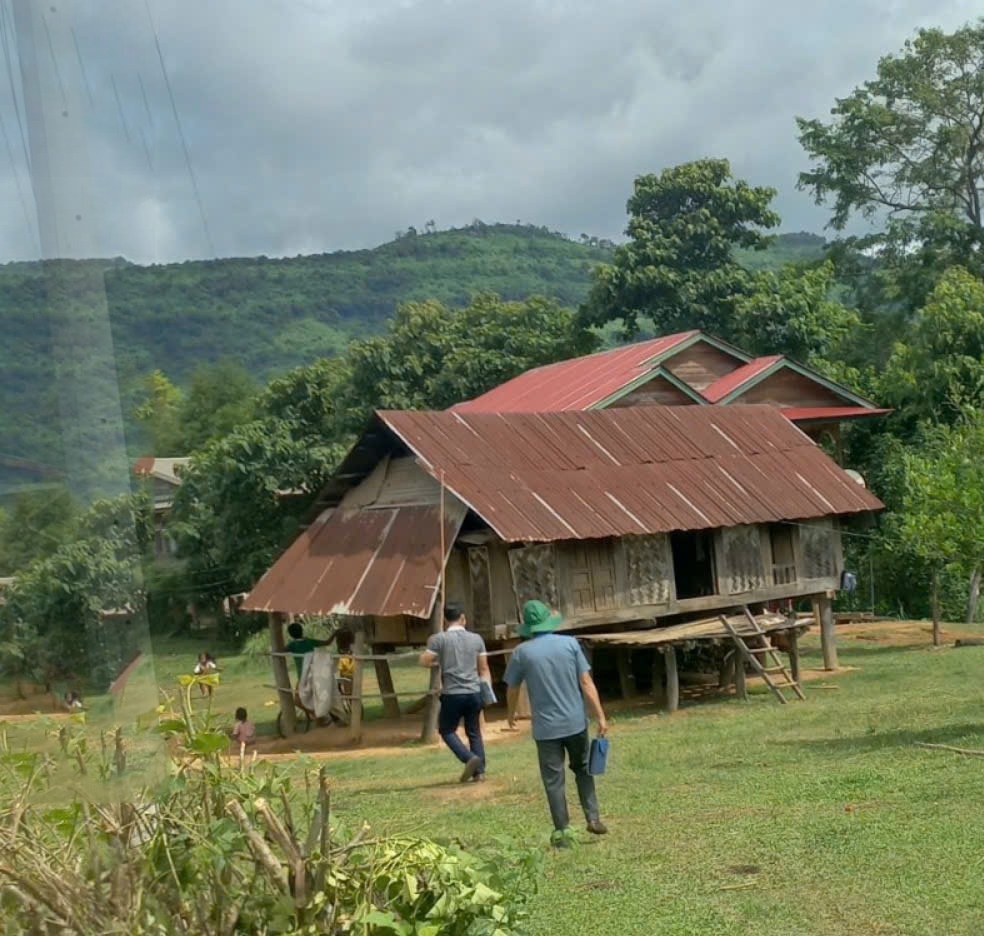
557 476
800 414
575 384
362 562
731 382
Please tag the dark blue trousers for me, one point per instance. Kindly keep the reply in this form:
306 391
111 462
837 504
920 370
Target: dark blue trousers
454 710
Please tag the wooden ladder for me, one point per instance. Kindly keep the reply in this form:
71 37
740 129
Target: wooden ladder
770 666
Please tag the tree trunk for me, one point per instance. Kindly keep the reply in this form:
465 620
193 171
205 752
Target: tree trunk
936 608
974 595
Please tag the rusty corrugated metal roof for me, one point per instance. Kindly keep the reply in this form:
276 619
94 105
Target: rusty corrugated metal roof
730 382
805 414
359 562
539 477
576 384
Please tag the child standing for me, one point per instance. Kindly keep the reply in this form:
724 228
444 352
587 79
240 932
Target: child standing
205 666
245 731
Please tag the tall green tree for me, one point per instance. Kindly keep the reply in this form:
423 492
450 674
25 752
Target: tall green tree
941 520
219 397
937 370
242 496
52 623
908 147
434 355
158 413
35 525
793 311
679 267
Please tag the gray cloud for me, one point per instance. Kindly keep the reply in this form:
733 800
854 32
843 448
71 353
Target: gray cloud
317 125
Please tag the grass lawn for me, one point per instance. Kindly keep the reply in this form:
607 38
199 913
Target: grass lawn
820 817
731 818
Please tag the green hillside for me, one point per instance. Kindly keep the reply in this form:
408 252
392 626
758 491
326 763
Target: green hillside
272 314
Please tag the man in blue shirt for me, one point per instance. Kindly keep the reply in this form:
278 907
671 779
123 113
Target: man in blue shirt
558 681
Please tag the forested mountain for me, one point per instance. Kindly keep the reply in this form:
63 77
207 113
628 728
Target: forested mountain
272 314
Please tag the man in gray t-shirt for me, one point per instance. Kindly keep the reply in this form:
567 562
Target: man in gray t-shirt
464 665
558 681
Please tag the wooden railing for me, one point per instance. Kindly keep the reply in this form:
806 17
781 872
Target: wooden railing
784 574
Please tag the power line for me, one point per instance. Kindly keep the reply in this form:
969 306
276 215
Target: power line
13 170
85 77
9 148
181 135
6 28
143 93
54 63
119 107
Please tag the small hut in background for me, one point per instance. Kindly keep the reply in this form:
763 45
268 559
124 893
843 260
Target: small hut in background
622 519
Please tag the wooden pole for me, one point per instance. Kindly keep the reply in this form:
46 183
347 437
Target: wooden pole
935 600
281 675
726 674
429 729
672 680
792 637
741 680
828 636
623 659
658 691
384 676
358 650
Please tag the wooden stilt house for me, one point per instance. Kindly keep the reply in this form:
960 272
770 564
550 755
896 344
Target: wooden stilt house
621 519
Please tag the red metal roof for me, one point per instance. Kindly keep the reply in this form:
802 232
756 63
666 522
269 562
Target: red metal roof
731 382
538 477
575 384
832 413
359 562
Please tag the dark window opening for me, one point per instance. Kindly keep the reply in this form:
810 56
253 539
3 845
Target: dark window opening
783 555
693 563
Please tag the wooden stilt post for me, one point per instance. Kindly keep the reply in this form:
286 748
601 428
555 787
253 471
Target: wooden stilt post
726 674
431 710
623 659
391 704
429 730
792 636
828 636
281 675
741 683
358 667
672 680
658 691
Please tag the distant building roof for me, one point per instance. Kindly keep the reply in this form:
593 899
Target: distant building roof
163 469
577 384
723 386
596 381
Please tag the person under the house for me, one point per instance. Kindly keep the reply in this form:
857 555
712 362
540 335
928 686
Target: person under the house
244 731
300 646
345 670
464 664
558 681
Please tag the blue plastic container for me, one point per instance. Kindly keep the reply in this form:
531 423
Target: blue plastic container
598 756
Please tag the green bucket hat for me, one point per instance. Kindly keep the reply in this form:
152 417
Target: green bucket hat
538 619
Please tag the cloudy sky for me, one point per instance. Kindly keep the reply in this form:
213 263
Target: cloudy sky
316 125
